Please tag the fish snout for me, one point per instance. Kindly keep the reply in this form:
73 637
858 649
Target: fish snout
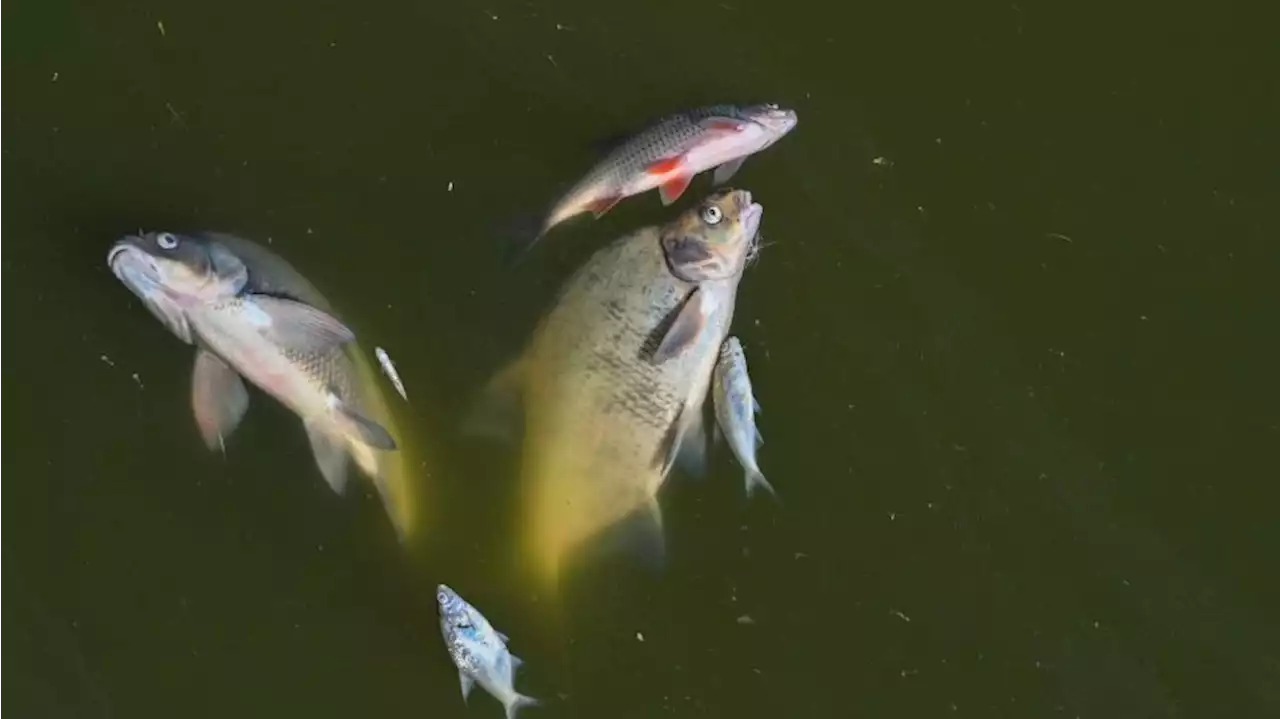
750 217
129 263
777 120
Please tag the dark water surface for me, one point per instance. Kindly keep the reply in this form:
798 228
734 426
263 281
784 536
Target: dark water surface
1015 339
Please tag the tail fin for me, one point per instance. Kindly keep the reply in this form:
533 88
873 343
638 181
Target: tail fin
755 480
518 702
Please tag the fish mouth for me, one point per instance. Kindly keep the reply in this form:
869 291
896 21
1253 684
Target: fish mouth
777 120
136 269
752 213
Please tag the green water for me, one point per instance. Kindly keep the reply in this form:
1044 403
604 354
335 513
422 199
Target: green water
1018 374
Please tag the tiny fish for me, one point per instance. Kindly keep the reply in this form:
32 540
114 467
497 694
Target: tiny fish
479 651
669 153
736 409
389 369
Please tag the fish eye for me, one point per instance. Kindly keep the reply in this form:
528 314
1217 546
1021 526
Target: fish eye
442 597
166 241
712 215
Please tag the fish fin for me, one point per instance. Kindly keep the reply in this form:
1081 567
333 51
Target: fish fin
684 442
638 535
467 684
692 455
218 398
672 189
356 425
726 171
515 661
518 702
300 326
721 124
759 438
501 636
603 205
331 457
755 480
664 166
684 328
755 404
497 413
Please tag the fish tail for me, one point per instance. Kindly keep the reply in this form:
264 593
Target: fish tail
518 702
756 480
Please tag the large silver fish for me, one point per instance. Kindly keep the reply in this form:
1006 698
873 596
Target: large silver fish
736 408
671 152
479 652
614 380
250 314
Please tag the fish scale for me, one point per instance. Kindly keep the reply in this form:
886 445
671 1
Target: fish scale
670 133
588 380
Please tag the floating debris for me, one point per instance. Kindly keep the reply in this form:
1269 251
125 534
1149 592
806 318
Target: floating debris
639 637
746 619
900 615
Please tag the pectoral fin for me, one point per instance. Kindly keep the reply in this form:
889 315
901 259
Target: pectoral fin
299 326
682 328
356 425
672 189
685 443
331 457
726 171
496 413
467 685
218 399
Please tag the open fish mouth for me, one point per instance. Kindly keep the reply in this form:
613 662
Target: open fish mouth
137 270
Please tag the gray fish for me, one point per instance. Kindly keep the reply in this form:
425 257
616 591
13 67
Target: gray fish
671 152
479 651
736 409
612 385
250 315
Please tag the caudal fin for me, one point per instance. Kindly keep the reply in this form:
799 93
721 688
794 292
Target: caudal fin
518 702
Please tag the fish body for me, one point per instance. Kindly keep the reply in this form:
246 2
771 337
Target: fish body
251 316
736 408
389 369
668 154
612 383
479 652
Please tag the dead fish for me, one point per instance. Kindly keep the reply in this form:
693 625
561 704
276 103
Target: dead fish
479 652
611 387
671 152
736 408
389 369
251 315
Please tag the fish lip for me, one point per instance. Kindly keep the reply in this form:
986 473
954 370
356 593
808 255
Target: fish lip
751 215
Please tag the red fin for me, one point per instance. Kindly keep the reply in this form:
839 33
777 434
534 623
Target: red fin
603 205
672 189
665 165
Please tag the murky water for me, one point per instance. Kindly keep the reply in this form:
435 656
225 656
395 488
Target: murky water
1014 339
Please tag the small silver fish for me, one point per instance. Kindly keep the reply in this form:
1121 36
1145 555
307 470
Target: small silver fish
669 153
389 369
736 409
479 651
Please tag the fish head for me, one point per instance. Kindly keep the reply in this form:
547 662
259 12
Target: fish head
454 610
712 240
171 273
731 351
777 121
